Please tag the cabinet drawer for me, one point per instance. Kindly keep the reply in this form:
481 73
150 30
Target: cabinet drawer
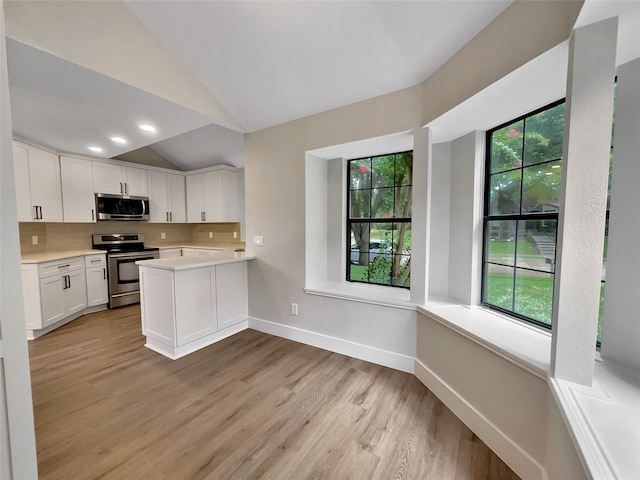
60 266
98 260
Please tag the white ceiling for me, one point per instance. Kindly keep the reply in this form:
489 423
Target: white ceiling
271 62
265 62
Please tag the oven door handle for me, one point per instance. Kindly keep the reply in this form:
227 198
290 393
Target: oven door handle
129 255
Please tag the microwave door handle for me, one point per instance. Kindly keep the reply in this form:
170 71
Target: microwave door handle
144 207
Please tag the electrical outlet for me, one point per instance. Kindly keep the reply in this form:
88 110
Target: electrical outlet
235 234
210 234
163 235
34 239
294 309
258 240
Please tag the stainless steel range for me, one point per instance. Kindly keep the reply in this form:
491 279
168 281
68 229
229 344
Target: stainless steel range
123 251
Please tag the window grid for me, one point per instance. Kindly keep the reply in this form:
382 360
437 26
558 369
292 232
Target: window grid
523 285
379 210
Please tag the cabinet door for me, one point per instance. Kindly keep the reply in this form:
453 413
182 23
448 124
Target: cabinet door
158 210
176 194
213 196
23 184
231 293
52 299
135 181
97 286
195 198
170 252
78 200
75 296
107 178
46 192
229 196
195 304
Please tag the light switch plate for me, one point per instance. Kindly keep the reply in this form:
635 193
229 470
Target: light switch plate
258 240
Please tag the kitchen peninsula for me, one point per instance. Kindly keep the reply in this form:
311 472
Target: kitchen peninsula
190 302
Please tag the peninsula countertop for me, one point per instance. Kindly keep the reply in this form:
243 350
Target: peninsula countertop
195 261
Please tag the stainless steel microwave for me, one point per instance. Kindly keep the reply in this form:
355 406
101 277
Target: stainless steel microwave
121 207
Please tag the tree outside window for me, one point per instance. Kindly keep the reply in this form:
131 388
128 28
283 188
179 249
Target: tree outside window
379 219
522 199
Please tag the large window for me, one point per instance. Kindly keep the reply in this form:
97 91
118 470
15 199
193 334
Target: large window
379 219
522 192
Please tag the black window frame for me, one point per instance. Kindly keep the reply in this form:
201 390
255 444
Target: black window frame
370 220
520 217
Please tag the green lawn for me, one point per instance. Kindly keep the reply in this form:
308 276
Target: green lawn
534 297
506 249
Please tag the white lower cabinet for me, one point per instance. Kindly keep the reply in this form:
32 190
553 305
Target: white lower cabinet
97 288
53 291
187 309
231 294
170 252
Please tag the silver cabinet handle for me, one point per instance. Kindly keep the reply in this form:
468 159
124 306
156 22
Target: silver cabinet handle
64 266
35 212
93 215
121 189
171 216
126 188
104 273
166 214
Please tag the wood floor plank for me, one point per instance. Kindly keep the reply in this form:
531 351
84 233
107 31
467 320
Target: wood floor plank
252 406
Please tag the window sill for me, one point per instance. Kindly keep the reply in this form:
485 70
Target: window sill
365 293
526 346
604 419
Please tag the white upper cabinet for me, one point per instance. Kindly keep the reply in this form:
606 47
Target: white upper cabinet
166 197
212 196
38 191
118 179
78 200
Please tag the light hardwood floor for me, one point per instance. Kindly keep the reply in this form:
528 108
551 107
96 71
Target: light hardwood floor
251 406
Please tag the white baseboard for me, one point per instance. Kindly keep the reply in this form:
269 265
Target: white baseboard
510 452
174 353
363 352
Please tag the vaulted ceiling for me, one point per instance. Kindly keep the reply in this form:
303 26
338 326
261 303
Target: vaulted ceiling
204 73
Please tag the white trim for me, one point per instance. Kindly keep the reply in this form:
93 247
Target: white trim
177 352
496 333
509 451
375 355
365 293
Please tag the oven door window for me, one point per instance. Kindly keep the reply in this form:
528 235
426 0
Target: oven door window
128 270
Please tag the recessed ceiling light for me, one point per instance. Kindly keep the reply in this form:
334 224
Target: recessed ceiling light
118 140
95 149
145 127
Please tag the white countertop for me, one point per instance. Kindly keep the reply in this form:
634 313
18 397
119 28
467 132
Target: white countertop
51 256
216 246
195 261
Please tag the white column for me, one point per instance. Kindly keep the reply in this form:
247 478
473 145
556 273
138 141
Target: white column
465 222
583 199
621 323
421 218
